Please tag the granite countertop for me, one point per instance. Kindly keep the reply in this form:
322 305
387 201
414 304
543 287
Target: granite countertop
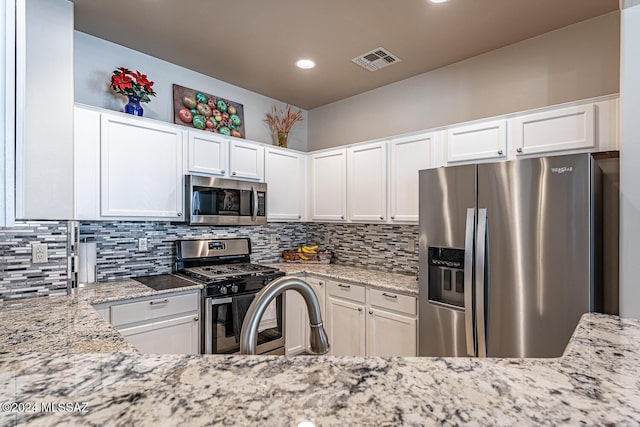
69 324
377 279
59 350
594 383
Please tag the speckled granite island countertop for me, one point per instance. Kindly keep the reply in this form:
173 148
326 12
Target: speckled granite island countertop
69 324
378 279
594 383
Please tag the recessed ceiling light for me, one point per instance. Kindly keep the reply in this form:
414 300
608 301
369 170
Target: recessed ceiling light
437 1
305 64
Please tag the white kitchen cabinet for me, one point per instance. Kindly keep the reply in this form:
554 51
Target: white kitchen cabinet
297 317
479 141
7 112
86 125
329 185
367 175
408 156
285 173
165 323
207 153
345 305
391 334
141 168
571 128
179 335
295 323
44 109
391 324
246 160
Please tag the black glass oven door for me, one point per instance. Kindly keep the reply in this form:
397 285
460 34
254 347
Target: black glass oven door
224 317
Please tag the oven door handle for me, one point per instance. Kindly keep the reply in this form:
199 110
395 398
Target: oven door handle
220 301
254 215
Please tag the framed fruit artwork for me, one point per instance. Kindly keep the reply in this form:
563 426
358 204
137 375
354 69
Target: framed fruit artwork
200 110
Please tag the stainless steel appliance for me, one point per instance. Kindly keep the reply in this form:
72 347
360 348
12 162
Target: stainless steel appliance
219 201
231 283
511 254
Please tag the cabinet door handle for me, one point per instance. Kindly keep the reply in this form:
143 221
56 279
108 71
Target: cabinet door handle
223 172
344 286
360 309
233 173
393 217
195 319
384 294
341 216
163 301
371 312
519 150
381 217
500 152
299 216
179 213
320 283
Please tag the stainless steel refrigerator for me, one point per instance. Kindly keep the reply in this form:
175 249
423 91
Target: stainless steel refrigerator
513 253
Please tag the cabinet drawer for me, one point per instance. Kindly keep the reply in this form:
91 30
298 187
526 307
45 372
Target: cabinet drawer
392 301
346 290
161 306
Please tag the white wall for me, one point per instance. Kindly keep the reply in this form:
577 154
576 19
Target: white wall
630 161
576 62
95 60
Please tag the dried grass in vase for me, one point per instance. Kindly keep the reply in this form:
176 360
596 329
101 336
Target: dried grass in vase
281 121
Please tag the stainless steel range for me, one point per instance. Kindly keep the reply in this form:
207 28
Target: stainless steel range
231 282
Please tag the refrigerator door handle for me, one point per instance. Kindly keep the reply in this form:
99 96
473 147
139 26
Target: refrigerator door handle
468 282
480 262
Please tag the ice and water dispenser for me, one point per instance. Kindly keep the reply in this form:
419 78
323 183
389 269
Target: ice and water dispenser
446 276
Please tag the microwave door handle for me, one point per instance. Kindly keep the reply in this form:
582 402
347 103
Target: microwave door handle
254 215
468 282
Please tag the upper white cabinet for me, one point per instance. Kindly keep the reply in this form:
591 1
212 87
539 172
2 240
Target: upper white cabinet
7 112
141 169
408 156
368 182
246 160
329 185
44 109
207 153
87 163
480 141
284 173
570 128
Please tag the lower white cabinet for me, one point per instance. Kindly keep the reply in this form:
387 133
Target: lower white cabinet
297 329
346 327
345 322
166 323
390 334
171 336
295 323
363 321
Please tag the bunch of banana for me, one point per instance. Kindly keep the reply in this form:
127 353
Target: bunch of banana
302 250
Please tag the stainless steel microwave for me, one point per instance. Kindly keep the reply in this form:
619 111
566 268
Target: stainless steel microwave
219 201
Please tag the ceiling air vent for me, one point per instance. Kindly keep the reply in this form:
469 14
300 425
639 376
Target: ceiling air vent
376 59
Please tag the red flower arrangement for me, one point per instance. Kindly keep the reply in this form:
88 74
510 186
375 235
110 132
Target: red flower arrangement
129 83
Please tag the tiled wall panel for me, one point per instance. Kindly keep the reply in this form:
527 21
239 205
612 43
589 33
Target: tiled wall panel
19 278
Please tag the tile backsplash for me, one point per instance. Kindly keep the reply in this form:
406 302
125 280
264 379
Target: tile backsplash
375 246
19 278
382 247
117 244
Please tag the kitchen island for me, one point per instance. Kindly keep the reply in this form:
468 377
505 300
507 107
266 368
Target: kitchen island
594 382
